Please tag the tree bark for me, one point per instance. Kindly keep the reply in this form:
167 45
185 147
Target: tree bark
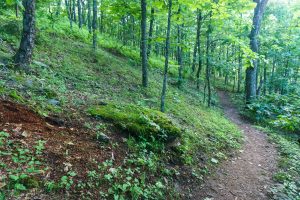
95 7
143 47
163 96
74 10
150 32
79 11
23 56
89 15
197 42
250 86
179 51
240 67
199 49
208 67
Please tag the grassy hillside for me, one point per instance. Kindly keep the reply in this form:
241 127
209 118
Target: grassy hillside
97 156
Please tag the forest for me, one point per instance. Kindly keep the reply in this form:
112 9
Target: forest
150 99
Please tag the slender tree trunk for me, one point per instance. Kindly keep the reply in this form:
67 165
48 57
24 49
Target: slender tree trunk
83 12
271 85
89 15
79 11
208 67
199 50
150 32
179 51
265 80
68 8
164 90
24 54
74 11
250 87
95 8
17 10
197 41
102 20
240 67
143 47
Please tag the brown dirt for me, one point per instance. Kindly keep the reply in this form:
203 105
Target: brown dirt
72 148
248 175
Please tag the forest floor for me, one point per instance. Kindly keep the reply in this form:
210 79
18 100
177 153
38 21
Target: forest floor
247 175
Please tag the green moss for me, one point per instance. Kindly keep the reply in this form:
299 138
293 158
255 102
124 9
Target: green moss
14 94
2 90
138 121
31 182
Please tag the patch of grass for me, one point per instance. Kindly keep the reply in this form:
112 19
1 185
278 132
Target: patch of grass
17 97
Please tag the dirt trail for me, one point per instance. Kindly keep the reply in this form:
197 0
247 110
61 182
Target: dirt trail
247 176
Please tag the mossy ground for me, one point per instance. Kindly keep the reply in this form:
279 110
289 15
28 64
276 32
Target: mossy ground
67 70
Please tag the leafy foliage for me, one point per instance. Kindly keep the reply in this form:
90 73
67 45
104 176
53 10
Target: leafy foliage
282 111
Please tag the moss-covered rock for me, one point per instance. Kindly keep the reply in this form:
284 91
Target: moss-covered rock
138 121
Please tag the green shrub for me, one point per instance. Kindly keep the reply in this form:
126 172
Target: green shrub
138 121
281 111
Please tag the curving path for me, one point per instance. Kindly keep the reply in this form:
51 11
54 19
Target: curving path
248 175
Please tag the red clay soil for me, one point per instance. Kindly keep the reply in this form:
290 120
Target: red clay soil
66 149
248 175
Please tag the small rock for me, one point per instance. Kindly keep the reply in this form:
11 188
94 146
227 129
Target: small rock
101 137
28 83
53 102
101 103
55 121
40 64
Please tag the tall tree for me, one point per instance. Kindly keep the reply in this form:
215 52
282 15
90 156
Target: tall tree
164 89
197 41
150 32
89 16
24 54
208 59
95 7
79 7
144 43
179 49
199 24
250 87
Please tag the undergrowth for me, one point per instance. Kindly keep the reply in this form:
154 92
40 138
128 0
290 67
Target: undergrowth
67 78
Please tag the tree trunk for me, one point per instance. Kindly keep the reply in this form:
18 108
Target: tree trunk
197 41
199 49
163 96
179 51
265 80
89 16
74 11
240 67
68 8
17 10
144 43
150 32
250 86
79 11
24 54
208 67
95 24
101 19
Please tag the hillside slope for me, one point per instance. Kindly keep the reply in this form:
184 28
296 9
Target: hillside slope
67 152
